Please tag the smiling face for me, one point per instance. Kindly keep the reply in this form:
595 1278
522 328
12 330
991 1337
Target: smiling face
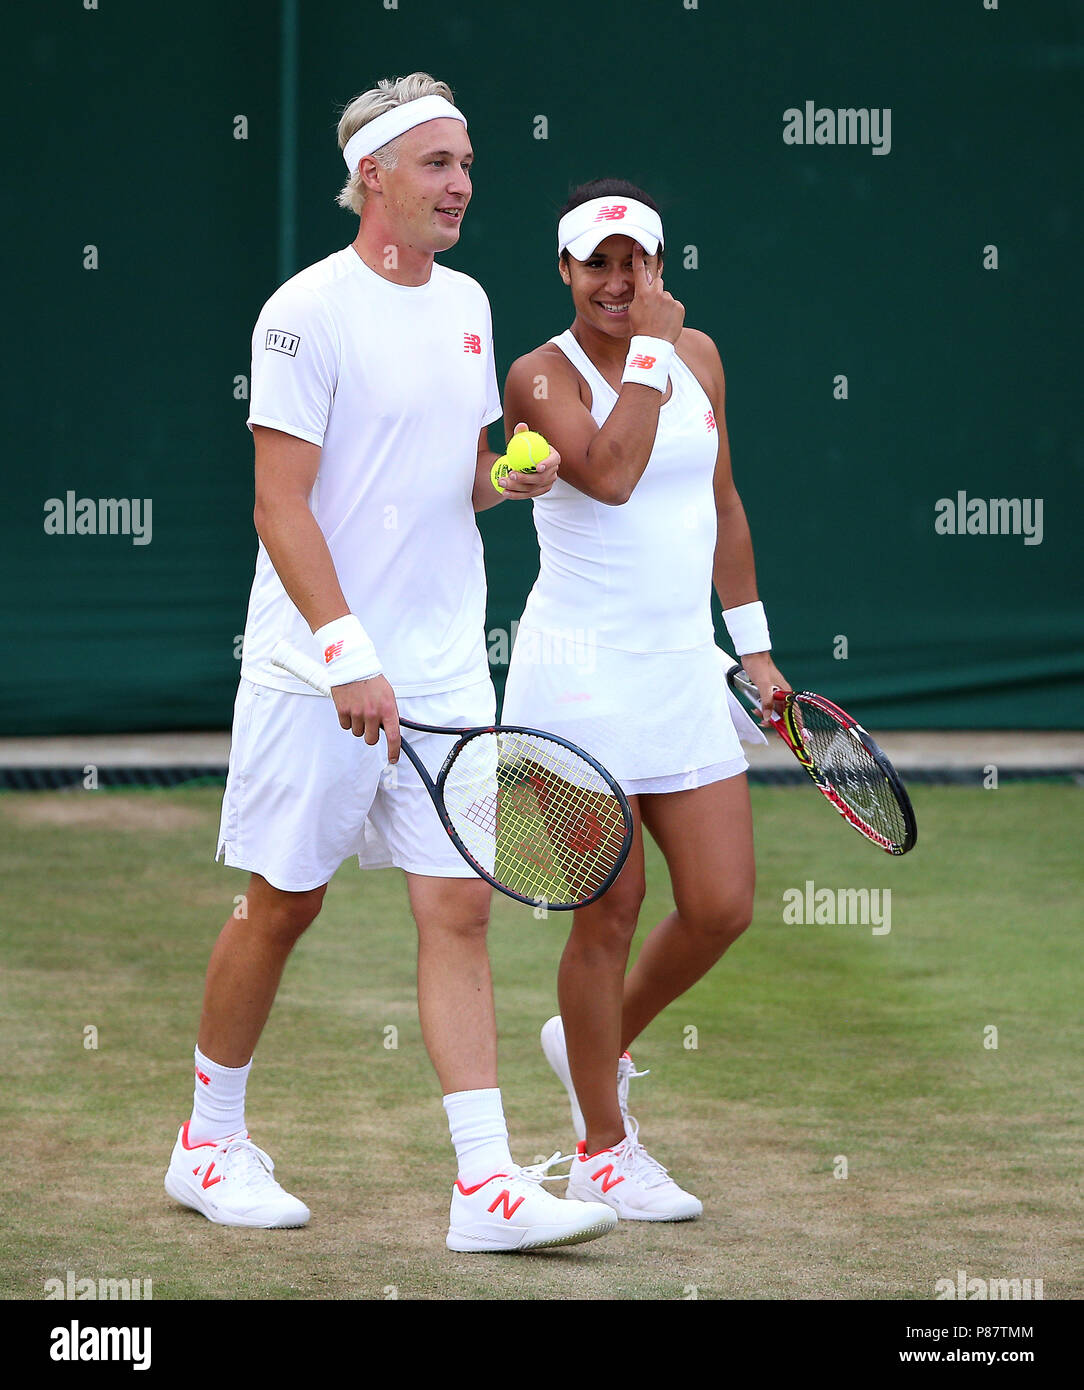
603 286
423 199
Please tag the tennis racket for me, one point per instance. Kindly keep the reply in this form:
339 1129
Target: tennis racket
532 814
844 763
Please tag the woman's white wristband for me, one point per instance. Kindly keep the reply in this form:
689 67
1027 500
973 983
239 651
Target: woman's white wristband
648 362
748 628
346 651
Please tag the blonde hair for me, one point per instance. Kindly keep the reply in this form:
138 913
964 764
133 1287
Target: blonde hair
385 96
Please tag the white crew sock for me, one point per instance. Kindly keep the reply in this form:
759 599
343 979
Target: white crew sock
479 1133
218 1101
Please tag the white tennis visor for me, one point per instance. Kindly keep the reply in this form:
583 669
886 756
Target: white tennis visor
580 231
375 134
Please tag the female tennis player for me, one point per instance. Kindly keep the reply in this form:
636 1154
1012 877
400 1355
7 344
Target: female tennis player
616 652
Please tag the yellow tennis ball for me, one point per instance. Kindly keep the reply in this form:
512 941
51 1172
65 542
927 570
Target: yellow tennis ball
526 451
500 469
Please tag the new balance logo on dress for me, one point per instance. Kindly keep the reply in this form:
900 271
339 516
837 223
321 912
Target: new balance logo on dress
472 343
612 212
709 420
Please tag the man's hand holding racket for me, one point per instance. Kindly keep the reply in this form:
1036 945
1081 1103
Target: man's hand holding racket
366 707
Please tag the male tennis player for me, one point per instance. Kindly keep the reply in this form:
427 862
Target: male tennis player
372 386
644 519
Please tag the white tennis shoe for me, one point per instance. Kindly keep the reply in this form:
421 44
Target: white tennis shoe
231 1182
630 1181
513 1211
553 1045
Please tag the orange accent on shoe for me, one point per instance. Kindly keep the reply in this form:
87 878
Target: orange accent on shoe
606 1177
208 1181
503 1200
469 1191
203 1144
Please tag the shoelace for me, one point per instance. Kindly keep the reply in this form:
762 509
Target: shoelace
626 1070
648 1171
539 1172
244 1162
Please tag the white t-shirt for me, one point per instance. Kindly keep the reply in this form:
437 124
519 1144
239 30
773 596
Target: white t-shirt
394 382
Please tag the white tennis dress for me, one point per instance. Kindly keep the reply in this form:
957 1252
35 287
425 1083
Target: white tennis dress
616 647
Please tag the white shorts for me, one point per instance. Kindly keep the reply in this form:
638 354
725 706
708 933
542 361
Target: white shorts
304 794
657 721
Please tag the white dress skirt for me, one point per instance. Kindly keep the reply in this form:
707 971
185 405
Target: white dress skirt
657 721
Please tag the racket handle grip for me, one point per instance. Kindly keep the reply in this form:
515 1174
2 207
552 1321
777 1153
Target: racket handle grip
740 681
286 657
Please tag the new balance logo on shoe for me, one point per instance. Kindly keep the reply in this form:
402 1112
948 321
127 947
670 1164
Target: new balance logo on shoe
208 1181
605 1176
503 1201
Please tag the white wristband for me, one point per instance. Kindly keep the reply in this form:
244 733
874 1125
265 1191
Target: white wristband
346 651
648 362
748 628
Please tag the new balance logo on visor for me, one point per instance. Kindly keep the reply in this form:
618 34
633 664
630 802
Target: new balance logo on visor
642 360
330 653
278 341
472 342
709 420
612 212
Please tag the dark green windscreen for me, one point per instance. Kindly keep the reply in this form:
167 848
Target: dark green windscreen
939 278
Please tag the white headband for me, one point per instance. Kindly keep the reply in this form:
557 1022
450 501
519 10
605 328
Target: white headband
580 231
376 133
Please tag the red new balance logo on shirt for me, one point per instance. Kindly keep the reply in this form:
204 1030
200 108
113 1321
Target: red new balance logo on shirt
642 360
709 420
472 342
330 653
613 212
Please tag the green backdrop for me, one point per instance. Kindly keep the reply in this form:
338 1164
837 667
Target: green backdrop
806 263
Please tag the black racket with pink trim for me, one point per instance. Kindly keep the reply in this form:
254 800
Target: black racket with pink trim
531 813
845 764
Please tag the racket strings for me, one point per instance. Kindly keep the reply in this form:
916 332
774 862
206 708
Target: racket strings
842 761
535 815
